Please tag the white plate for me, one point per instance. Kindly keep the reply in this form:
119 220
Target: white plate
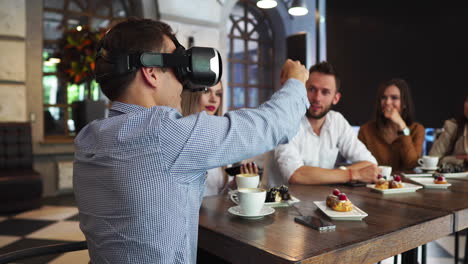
266 210
407 187
446 175
427 169
429 183
356 214
411 175
235 199
456 174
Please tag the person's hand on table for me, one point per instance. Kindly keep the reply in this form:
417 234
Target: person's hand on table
366 174
462 157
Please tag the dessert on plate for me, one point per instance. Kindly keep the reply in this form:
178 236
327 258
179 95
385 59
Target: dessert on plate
338 201
383 184
439 179
396 183
278 194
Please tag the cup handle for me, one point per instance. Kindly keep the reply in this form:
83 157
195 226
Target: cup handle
421 162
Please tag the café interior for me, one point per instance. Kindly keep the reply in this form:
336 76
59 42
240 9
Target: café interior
43 107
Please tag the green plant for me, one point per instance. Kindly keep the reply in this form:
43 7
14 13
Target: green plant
77 52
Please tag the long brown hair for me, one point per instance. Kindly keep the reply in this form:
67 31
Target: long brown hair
407 106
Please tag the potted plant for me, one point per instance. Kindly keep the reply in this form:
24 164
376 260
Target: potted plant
77 52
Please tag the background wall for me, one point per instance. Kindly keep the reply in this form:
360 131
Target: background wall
423 42
12 61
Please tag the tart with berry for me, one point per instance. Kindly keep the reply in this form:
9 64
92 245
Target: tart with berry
338 201
440 180
381 183
396 182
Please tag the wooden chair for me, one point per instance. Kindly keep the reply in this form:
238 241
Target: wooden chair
41 251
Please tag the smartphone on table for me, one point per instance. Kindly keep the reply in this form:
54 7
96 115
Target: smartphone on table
315 222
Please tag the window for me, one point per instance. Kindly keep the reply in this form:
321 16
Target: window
250 59
58 17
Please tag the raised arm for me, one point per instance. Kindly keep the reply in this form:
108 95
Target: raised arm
213 141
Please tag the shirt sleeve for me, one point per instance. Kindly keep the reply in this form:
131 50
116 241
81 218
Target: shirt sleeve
193 144
411 146
351 148
288 158
443 145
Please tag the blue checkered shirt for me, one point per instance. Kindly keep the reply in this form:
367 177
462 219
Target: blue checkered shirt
139 174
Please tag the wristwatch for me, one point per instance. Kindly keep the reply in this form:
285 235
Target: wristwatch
406 131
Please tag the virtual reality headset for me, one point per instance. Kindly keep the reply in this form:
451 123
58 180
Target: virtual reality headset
197 65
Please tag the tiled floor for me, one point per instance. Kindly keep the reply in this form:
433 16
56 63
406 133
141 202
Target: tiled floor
57 222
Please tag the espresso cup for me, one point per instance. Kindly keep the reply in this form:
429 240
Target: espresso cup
428 162
251 200
247 180
386 171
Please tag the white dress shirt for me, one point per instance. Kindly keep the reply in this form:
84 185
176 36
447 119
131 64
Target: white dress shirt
214 182
309 149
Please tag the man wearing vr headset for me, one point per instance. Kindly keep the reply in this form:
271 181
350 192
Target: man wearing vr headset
139 174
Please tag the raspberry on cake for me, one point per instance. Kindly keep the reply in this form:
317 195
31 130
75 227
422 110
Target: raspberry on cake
396 183
440 180
338 201
381 184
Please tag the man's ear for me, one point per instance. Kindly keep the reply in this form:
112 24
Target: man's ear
149 76
336 98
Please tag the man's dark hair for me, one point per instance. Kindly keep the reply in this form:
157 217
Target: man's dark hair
328 69
133 35
406 102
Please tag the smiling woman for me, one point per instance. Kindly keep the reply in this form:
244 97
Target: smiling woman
393 137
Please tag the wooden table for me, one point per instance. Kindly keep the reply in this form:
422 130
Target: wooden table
391 228
454 199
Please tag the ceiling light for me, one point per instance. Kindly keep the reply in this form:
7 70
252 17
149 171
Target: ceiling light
266 3
298 8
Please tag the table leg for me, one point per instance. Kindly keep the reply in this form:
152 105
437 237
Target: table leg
465 258
457 239
424 254
410 256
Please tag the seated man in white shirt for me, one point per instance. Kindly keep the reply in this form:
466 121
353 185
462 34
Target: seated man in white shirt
310 157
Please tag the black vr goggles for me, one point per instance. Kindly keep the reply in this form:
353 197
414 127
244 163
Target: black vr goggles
198 65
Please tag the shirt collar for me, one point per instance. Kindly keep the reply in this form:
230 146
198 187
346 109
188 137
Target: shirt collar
325 126
123 108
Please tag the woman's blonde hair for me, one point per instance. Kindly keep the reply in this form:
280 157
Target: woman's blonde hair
190 101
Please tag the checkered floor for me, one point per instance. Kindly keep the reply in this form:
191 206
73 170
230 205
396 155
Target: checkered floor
57 222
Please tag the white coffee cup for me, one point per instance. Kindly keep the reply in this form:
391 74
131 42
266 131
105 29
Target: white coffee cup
386 171
247 180
251 200
428 162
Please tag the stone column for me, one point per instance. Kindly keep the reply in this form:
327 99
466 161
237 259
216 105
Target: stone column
13 106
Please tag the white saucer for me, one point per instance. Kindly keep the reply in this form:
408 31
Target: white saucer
266 210
428 169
